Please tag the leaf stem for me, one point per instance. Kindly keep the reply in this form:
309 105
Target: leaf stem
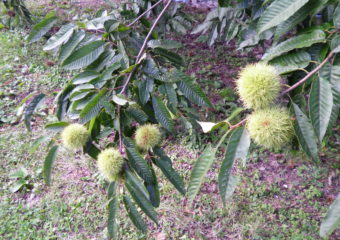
223 138
141 51
120 133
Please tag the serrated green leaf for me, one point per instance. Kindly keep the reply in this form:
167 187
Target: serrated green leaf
48 163
173 57
63 35
112 226
85 77
142 202
160 153
68 47
135 182
162 114
32 106
143 92
107 58
213 35
153 189
137 114
300 41
84 56
171 94
63 101
56 127
335 82
37 143
231 186
198 172
170 174
332 219
305 134
291 62
93 107
191 90
321 101
106 75
237 148
202 27
41 28
335 44
139 164
277 12
336 17
312 7
134 215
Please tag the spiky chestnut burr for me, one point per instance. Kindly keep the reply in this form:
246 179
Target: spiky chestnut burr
258 85
271 128
74 136
110 163
148 136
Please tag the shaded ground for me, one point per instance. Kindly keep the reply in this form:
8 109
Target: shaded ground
281 195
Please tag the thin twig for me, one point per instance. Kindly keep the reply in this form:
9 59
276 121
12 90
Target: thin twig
141 51
238 124
120 133
148 10
315 70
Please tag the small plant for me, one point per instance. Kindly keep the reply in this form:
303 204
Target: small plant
20 180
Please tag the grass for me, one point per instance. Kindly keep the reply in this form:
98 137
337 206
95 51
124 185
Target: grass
280 196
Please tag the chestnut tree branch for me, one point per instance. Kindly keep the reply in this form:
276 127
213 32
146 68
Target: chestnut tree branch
148 10
315 70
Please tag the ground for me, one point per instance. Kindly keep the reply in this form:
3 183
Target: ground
282 195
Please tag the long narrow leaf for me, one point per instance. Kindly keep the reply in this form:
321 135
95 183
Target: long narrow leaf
200 169
84 56
171 174
68 47
93 107
48 163
40 29
139 164
305 134
63 35
237 148
112 226
134 215
191 90
300 41
277 12
31 108
142 202
332 220
321 102
162 114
